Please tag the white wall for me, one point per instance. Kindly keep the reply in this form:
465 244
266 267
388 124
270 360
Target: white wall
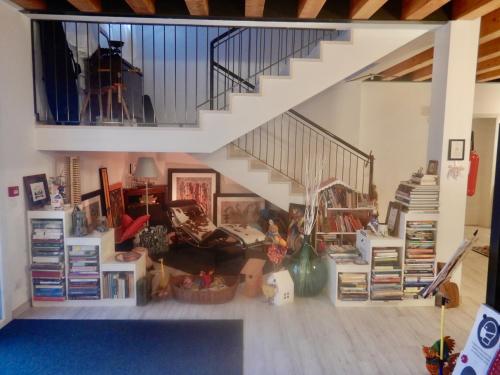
479 206
18 157
337 109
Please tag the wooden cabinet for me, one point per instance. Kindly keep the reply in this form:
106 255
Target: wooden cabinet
135 205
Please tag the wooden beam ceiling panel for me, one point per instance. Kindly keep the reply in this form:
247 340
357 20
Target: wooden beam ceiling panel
142 6
471 9
89 6
309 8
254 8
488 50
488 65
422 74
31 4
197 7
490 76
409 65
364 9
419 9
490 26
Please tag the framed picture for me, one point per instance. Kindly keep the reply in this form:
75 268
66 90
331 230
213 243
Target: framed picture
116 204
392 219
105 202
91 205
37 191
238 209
197 184
432 167
456 149
295 233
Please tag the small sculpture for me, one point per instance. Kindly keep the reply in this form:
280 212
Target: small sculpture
79 219
431 354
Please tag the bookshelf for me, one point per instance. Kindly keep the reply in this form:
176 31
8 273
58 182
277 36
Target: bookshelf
342 211
82 264
419 231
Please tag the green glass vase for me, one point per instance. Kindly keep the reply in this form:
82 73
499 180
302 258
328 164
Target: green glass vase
308 270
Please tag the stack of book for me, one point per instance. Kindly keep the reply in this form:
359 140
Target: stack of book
353 286
338 223
420 256
386 274
83 277
418 198
343 254
47 257
117 285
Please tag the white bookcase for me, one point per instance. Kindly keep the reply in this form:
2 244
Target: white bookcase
104 243
366 242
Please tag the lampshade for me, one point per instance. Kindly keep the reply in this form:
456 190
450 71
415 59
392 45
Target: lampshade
146 168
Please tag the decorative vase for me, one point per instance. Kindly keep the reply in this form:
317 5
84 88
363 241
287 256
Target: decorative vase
309 272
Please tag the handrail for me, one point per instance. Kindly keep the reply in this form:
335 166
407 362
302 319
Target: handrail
330 134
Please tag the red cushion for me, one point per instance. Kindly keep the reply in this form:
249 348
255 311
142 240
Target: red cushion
126 221
133 228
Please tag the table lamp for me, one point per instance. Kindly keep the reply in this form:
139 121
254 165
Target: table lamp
146 168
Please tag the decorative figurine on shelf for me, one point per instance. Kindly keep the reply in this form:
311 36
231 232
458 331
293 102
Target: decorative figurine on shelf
278 249
79 219
431 354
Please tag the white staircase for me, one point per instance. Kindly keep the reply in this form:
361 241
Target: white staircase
254 175
246 111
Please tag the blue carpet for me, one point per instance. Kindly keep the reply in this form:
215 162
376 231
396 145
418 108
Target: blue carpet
112 347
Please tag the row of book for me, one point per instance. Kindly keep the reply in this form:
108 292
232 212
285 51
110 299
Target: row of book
340 223
353 286
47 261
117 285
83 276
418 198
386 274
340 196
344 254
420 256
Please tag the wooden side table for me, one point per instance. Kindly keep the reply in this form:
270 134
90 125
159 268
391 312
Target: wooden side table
135 208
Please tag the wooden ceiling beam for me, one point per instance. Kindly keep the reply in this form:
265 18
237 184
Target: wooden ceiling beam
490 76
254 8
31 4
490 26
142 6
488 65
309 8
471 9
419 9
409 65
422 74
488 50
197 7
364 9
89 6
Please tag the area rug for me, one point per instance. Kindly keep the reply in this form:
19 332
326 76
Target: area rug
112 347
483 250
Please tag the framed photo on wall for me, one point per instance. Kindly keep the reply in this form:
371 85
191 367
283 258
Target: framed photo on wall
198 184
238 209
456 149
37 191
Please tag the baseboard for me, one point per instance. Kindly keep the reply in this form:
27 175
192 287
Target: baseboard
21 309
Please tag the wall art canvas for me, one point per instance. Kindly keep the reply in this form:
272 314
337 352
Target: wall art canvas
116 204
197 184
295 234
238 209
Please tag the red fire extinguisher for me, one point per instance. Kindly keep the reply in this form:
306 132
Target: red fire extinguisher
474 167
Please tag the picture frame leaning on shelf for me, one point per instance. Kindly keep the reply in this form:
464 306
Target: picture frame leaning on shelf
392 218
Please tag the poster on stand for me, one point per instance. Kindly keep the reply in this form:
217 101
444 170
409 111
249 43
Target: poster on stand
480 355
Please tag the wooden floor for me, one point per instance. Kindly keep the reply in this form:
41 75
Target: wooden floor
313 337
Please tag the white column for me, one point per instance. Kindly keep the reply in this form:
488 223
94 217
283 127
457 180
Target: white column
452 101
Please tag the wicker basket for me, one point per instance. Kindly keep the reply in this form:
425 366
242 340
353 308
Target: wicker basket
204 296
